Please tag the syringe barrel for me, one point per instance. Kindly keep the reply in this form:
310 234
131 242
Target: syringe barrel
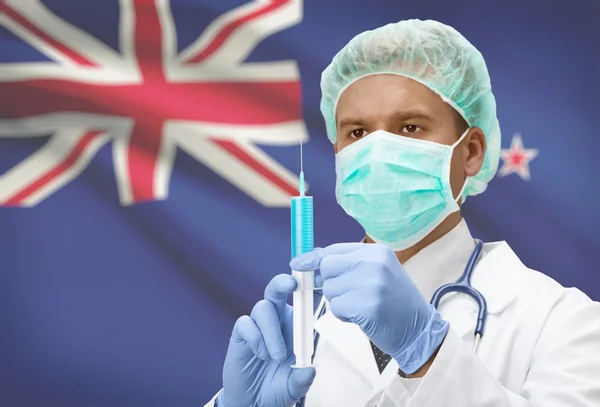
303 318
303 310
302 225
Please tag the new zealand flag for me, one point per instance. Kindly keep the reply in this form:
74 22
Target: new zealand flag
149 148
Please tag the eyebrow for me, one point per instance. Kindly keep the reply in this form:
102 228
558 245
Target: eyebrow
397 116
412 114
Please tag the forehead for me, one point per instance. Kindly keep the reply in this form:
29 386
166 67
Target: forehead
380 96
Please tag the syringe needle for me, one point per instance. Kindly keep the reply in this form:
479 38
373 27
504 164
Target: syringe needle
302 185
301 158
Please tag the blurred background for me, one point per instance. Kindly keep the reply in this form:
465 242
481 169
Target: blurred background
148 150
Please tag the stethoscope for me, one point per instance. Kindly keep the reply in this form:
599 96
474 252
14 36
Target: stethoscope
462 285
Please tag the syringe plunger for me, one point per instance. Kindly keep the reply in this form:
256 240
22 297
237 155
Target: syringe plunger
303 318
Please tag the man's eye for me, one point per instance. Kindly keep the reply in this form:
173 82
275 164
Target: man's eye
358 133
410 128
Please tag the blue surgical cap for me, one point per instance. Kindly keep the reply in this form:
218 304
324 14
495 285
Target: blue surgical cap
433 54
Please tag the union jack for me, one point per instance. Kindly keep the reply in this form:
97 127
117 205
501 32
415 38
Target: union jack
148 99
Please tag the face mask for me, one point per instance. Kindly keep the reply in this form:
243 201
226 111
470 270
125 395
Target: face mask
397 188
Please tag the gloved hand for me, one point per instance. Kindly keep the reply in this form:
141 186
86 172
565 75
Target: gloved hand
366 284
257 369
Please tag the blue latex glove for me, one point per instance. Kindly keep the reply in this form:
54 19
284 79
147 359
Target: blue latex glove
366 284
257 369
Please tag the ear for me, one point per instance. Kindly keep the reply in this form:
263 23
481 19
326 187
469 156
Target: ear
335 148
474 151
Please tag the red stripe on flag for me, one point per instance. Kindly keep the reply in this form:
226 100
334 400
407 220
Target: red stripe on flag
55 172
142 155
148 40
79 59
265 172
222 36
146 138
219 102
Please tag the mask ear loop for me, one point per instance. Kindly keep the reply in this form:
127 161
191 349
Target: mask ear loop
461 190
460 139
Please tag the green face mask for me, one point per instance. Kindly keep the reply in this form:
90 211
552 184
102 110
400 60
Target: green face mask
397 188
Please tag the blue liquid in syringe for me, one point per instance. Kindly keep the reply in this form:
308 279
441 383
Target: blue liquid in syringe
302 221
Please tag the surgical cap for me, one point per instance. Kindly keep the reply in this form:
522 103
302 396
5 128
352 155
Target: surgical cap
432 54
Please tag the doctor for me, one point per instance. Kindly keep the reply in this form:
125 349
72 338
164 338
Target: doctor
410 112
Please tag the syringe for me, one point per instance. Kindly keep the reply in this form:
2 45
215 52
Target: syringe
303 242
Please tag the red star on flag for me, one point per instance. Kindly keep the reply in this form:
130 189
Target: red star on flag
516 159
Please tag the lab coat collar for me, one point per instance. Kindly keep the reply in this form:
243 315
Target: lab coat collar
496 276
442 261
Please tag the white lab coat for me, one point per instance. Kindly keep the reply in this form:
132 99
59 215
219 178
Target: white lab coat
541 348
